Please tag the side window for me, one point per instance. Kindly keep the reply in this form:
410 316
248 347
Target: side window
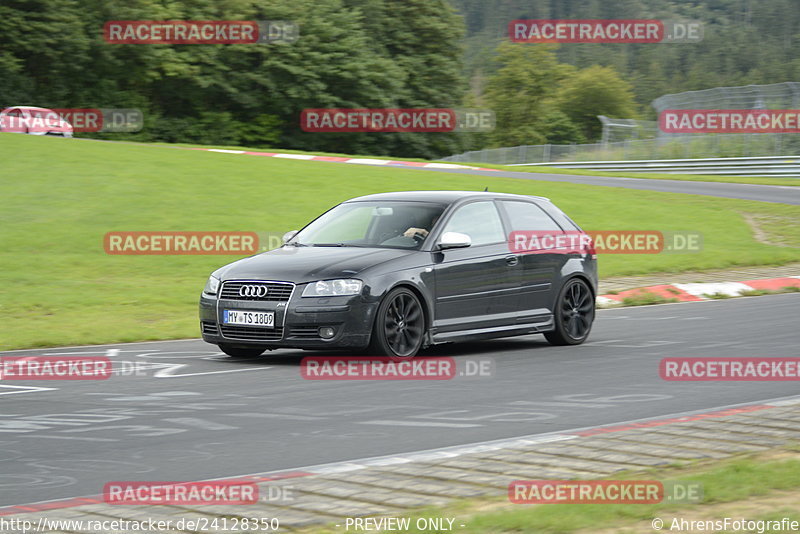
527 216
14 113
480 221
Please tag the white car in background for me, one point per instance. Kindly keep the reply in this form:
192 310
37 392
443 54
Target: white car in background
34 121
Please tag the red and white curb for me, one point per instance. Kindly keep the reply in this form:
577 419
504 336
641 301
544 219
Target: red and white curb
700 291
354 161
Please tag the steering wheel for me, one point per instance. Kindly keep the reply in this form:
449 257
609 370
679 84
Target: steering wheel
419 238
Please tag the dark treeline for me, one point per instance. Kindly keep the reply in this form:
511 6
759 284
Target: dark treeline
374 53
746 41
351 53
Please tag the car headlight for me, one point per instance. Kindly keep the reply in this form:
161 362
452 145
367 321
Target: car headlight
212 286
333 288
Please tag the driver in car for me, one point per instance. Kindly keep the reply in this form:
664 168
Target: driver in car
422 232
413 230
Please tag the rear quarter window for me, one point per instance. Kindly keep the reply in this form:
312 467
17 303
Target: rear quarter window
528 216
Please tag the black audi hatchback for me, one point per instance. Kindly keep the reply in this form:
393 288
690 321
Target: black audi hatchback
392 273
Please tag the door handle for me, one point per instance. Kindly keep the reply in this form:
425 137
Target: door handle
512 260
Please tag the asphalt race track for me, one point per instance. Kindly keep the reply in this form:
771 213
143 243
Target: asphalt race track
192 414
764 193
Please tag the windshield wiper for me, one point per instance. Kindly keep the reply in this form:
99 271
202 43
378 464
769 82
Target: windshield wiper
329 245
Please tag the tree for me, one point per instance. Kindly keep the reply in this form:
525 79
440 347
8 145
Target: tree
559 129
521 92
596 91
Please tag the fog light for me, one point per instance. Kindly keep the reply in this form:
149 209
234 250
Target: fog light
326 332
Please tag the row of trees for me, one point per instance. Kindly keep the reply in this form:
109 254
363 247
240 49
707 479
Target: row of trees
351 53
381 53
745 42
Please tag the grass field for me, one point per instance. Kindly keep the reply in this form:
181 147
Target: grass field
60 196
764 488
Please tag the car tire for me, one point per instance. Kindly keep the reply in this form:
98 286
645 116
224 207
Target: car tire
573 313
399 328
241 352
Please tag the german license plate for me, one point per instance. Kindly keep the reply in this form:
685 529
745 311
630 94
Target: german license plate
249 318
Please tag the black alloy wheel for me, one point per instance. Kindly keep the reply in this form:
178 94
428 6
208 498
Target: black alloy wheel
574 314
399 325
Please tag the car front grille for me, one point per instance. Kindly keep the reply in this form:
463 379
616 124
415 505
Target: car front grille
207 327
247 333
276 291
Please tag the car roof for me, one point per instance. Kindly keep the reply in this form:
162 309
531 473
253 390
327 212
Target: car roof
28 108
446 197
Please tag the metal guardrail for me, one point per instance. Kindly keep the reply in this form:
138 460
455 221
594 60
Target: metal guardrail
667 146
788 166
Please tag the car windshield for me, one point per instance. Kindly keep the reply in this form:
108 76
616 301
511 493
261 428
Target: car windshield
372 224
39 114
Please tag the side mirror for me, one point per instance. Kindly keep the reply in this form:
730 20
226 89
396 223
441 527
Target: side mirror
454 240
288 235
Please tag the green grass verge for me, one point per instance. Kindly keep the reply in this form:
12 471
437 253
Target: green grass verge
753 293
646 298
60 196
275 150
723 482
759 180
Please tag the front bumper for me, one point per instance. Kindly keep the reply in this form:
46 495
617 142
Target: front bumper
297 322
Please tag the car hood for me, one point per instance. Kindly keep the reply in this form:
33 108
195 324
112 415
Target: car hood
307 264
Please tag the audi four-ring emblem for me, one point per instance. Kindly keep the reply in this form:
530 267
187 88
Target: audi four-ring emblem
253 291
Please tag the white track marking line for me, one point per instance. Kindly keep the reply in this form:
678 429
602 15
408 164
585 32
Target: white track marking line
446 166
167 374
416 423
367 161
71 438
295 156
99 347
25 389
